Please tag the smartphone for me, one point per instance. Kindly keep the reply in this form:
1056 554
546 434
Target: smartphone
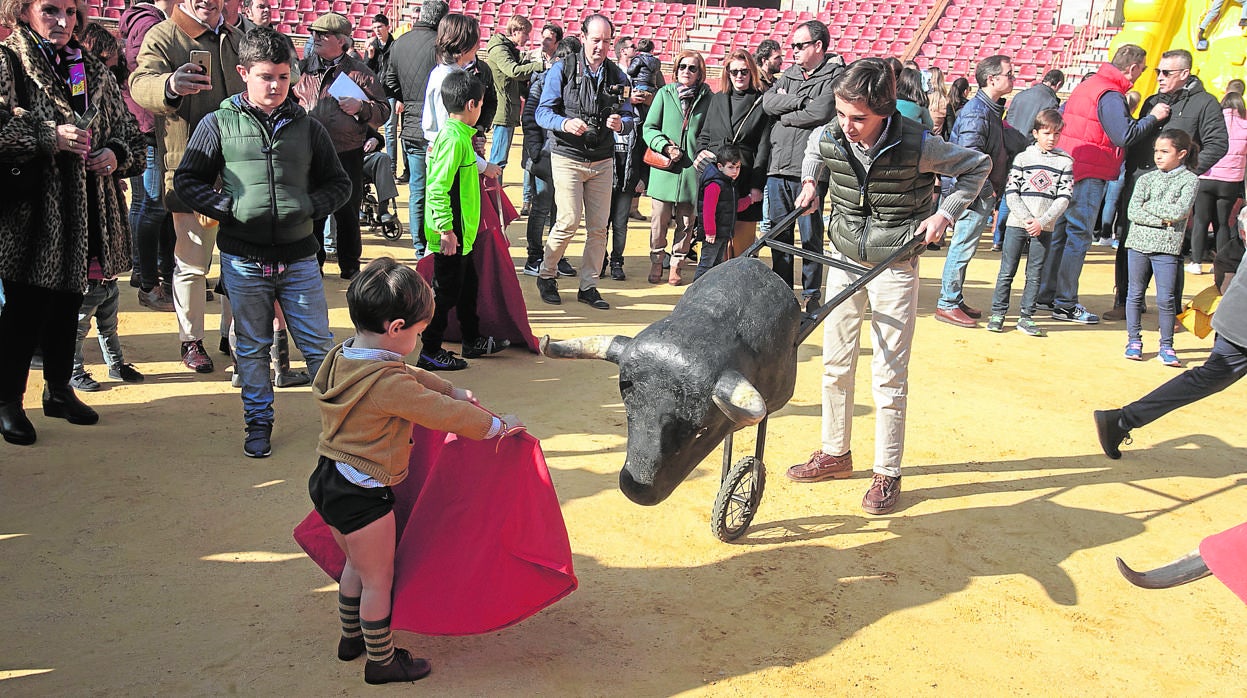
203 59
87 120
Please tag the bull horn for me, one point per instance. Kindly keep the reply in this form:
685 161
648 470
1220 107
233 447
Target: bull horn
607 347
739 400
1180 571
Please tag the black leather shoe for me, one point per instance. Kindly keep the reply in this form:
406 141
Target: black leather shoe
591 297
549 290
62 402
14 425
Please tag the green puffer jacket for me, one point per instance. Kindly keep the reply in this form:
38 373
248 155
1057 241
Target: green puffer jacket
665 125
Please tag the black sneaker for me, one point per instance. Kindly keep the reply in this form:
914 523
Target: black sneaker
258 442
591 297
532 267
549 290
484 346
223 347
403 667
565 268
441 360
84 382
125 372
1112 435
617 272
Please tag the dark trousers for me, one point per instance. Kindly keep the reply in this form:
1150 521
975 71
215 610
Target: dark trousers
350 246
1225 365
621 206
1121 261
1016 242
455 287
540 215
782 191
36 317
1213 205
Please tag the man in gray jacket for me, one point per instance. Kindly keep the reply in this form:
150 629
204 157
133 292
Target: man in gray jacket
801 100
1034 99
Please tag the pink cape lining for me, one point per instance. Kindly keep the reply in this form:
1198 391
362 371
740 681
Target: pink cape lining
500 302
481 539
1226 555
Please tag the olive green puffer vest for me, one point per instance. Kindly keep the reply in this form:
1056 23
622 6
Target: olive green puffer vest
871 221
267 177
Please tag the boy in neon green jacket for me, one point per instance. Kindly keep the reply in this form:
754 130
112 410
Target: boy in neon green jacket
452 212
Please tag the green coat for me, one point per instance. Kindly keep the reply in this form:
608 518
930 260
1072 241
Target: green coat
663 126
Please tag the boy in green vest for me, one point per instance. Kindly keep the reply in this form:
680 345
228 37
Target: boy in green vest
452 214
278 172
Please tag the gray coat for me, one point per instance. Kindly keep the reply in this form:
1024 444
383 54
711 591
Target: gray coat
1027 105
800 104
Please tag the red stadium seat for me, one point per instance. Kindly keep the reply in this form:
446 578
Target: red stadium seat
1013 42
844 45
1065 31
929 50
861 46
880 48
912 22
1056 43
905 34
1034 43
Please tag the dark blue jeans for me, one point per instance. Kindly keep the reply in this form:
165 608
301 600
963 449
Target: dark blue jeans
1017 241
1070 241
415 189
782 192
1225 365
712 254
540 217
151 230
1164 268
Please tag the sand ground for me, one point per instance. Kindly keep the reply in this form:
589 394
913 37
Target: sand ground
147 556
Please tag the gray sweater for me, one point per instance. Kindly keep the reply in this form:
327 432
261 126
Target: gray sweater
1230 320
1158 210
1039 187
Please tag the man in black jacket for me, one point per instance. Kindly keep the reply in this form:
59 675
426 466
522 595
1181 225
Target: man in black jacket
1193 110
412 58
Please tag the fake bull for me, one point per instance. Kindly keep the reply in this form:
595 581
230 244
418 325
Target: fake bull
723 359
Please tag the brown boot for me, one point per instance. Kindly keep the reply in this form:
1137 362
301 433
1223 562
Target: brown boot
677 263
655 267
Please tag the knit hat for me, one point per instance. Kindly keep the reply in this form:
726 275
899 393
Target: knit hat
332 23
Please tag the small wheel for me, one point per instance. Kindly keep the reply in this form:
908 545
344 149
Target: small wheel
738 499
391 230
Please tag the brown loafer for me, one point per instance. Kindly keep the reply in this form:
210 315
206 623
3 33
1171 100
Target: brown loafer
822 466
883 495
955 317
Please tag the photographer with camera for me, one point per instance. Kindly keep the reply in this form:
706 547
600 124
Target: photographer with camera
584 103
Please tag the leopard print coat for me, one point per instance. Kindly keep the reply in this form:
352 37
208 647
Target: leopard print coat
44 242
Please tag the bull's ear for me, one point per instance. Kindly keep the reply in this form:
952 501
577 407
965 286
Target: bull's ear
607 347
739 400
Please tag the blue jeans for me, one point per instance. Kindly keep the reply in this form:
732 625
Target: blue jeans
1070 241
540 215
1017 241
783 192
529 187
415 188
100 302
1112 198
253 287
1225 365
151 247
1164 268
712 254
1002 221
500 147
966 232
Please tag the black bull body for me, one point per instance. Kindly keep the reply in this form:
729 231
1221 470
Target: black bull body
723 359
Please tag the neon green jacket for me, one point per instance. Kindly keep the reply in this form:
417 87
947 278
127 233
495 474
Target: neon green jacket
452 190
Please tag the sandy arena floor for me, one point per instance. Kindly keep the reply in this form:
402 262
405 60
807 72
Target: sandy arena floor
147 556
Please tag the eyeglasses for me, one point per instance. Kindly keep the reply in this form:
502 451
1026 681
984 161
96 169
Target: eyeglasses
800 45
690 67
1167 73
739 72
1008 75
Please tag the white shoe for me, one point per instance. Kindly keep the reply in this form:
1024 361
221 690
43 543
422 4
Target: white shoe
1194 268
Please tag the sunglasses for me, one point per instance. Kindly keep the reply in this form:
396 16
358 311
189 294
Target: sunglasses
690 67
800 45
1167 73
739 72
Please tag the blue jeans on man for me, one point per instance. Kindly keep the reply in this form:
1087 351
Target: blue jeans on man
500 145
416 156
1070 241
967 230
1002 222
782 192
152 244
253 286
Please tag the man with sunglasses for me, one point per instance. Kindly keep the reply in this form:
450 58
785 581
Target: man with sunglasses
801 100
1193 110
1098 128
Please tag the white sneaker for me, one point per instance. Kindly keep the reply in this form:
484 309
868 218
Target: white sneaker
1194 268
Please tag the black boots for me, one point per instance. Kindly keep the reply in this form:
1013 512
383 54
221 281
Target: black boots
14 425
62 402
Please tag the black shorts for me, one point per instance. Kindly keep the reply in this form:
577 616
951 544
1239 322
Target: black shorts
343 504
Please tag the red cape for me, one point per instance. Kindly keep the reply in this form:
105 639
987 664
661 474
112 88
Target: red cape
500 302
1226 555
481 540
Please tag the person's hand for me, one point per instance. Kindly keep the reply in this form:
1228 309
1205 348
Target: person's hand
449 242
1160 111
640 188
513 424
780 91
755 195
465 395
371 145
1033 228
615 123
102 161
71 139
932 229
807 199
350 105
672 151
640 97
478 144
492 171
399 107
189 79
576 127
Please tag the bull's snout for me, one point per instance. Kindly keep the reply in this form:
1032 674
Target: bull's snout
643 493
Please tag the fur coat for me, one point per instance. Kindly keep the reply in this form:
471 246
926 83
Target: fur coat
44 243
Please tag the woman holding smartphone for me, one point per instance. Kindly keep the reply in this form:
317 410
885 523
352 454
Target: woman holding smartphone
63 123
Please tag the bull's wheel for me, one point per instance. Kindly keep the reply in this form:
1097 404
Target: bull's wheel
738 499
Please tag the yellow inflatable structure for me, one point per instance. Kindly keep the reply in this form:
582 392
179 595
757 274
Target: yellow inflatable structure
1164 25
